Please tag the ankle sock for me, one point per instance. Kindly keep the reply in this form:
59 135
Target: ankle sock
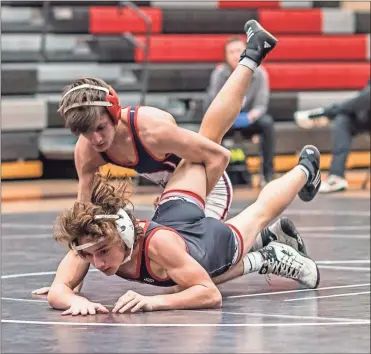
252 262
248 63
305 170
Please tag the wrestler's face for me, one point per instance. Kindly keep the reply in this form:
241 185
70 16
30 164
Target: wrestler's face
232 53
102 134
104 255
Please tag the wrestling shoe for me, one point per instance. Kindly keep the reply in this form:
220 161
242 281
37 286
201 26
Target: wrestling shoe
284 261
259 42
310 159
284 231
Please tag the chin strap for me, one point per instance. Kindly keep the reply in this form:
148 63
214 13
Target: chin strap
128 258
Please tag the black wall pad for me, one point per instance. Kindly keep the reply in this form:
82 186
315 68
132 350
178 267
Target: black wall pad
206 20
19 82
112 49
59 169
363 22
317 4
282 105
69 19
55 120
189 79
19 146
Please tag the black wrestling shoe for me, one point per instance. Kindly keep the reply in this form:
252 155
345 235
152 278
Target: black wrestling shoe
284 261
259 42
310 159
284 231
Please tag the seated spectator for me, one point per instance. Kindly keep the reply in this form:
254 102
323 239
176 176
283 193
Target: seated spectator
253 119
351 117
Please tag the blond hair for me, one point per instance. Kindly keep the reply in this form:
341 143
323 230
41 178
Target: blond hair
79 221
81 119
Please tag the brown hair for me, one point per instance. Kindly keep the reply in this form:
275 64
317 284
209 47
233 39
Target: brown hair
73 224
81 119
231 40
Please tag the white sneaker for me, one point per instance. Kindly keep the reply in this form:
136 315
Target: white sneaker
283 260
312 118
334 184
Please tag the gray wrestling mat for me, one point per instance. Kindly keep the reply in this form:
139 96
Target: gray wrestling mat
256 317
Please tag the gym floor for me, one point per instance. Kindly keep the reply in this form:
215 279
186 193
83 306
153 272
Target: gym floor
257 316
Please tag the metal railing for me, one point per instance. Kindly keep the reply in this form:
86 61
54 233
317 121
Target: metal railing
129 36
126 35
45 9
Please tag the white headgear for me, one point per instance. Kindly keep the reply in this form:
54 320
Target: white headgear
124 226
88 103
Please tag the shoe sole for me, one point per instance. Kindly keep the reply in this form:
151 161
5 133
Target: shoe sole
304 195
260 28
289 228
317 270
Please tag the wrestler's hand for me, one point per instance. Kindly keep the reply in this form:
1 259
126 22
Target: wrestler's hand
82 306
134 302
41 291
155 202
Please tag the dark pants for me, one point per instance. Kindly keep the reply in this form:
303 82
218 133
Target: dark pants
344 128
264 127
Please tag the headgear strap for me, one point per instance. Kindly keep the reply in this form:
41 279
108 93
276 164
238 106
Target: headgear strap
124 226
111 100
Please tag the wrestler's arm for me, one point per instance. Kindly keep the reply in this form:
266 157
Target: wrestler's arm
199 291
71 272
193 147
87 162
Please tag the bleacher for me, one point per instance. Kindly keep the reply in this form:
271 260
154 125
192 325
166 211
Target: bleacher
323 56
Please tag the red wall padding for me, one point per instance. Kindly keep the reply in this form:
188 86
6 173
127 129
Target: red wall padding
210 48
249 4
105 20
320 76
184 48
320 48
307 21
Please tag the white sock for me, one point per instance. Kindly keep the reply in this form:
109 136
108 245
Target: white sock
305 170
248 63
252 262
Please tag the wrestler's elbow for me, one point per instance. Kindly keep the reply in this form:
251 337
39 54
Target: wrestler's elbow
212 298
57 297
222 157
215 299
53 298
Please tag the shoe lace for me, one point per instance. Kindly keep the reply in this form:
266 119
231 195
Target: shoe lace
287 266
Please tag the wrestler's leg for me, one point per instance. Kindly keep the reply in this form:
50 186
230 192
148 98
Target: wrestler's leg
225 107
274 198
